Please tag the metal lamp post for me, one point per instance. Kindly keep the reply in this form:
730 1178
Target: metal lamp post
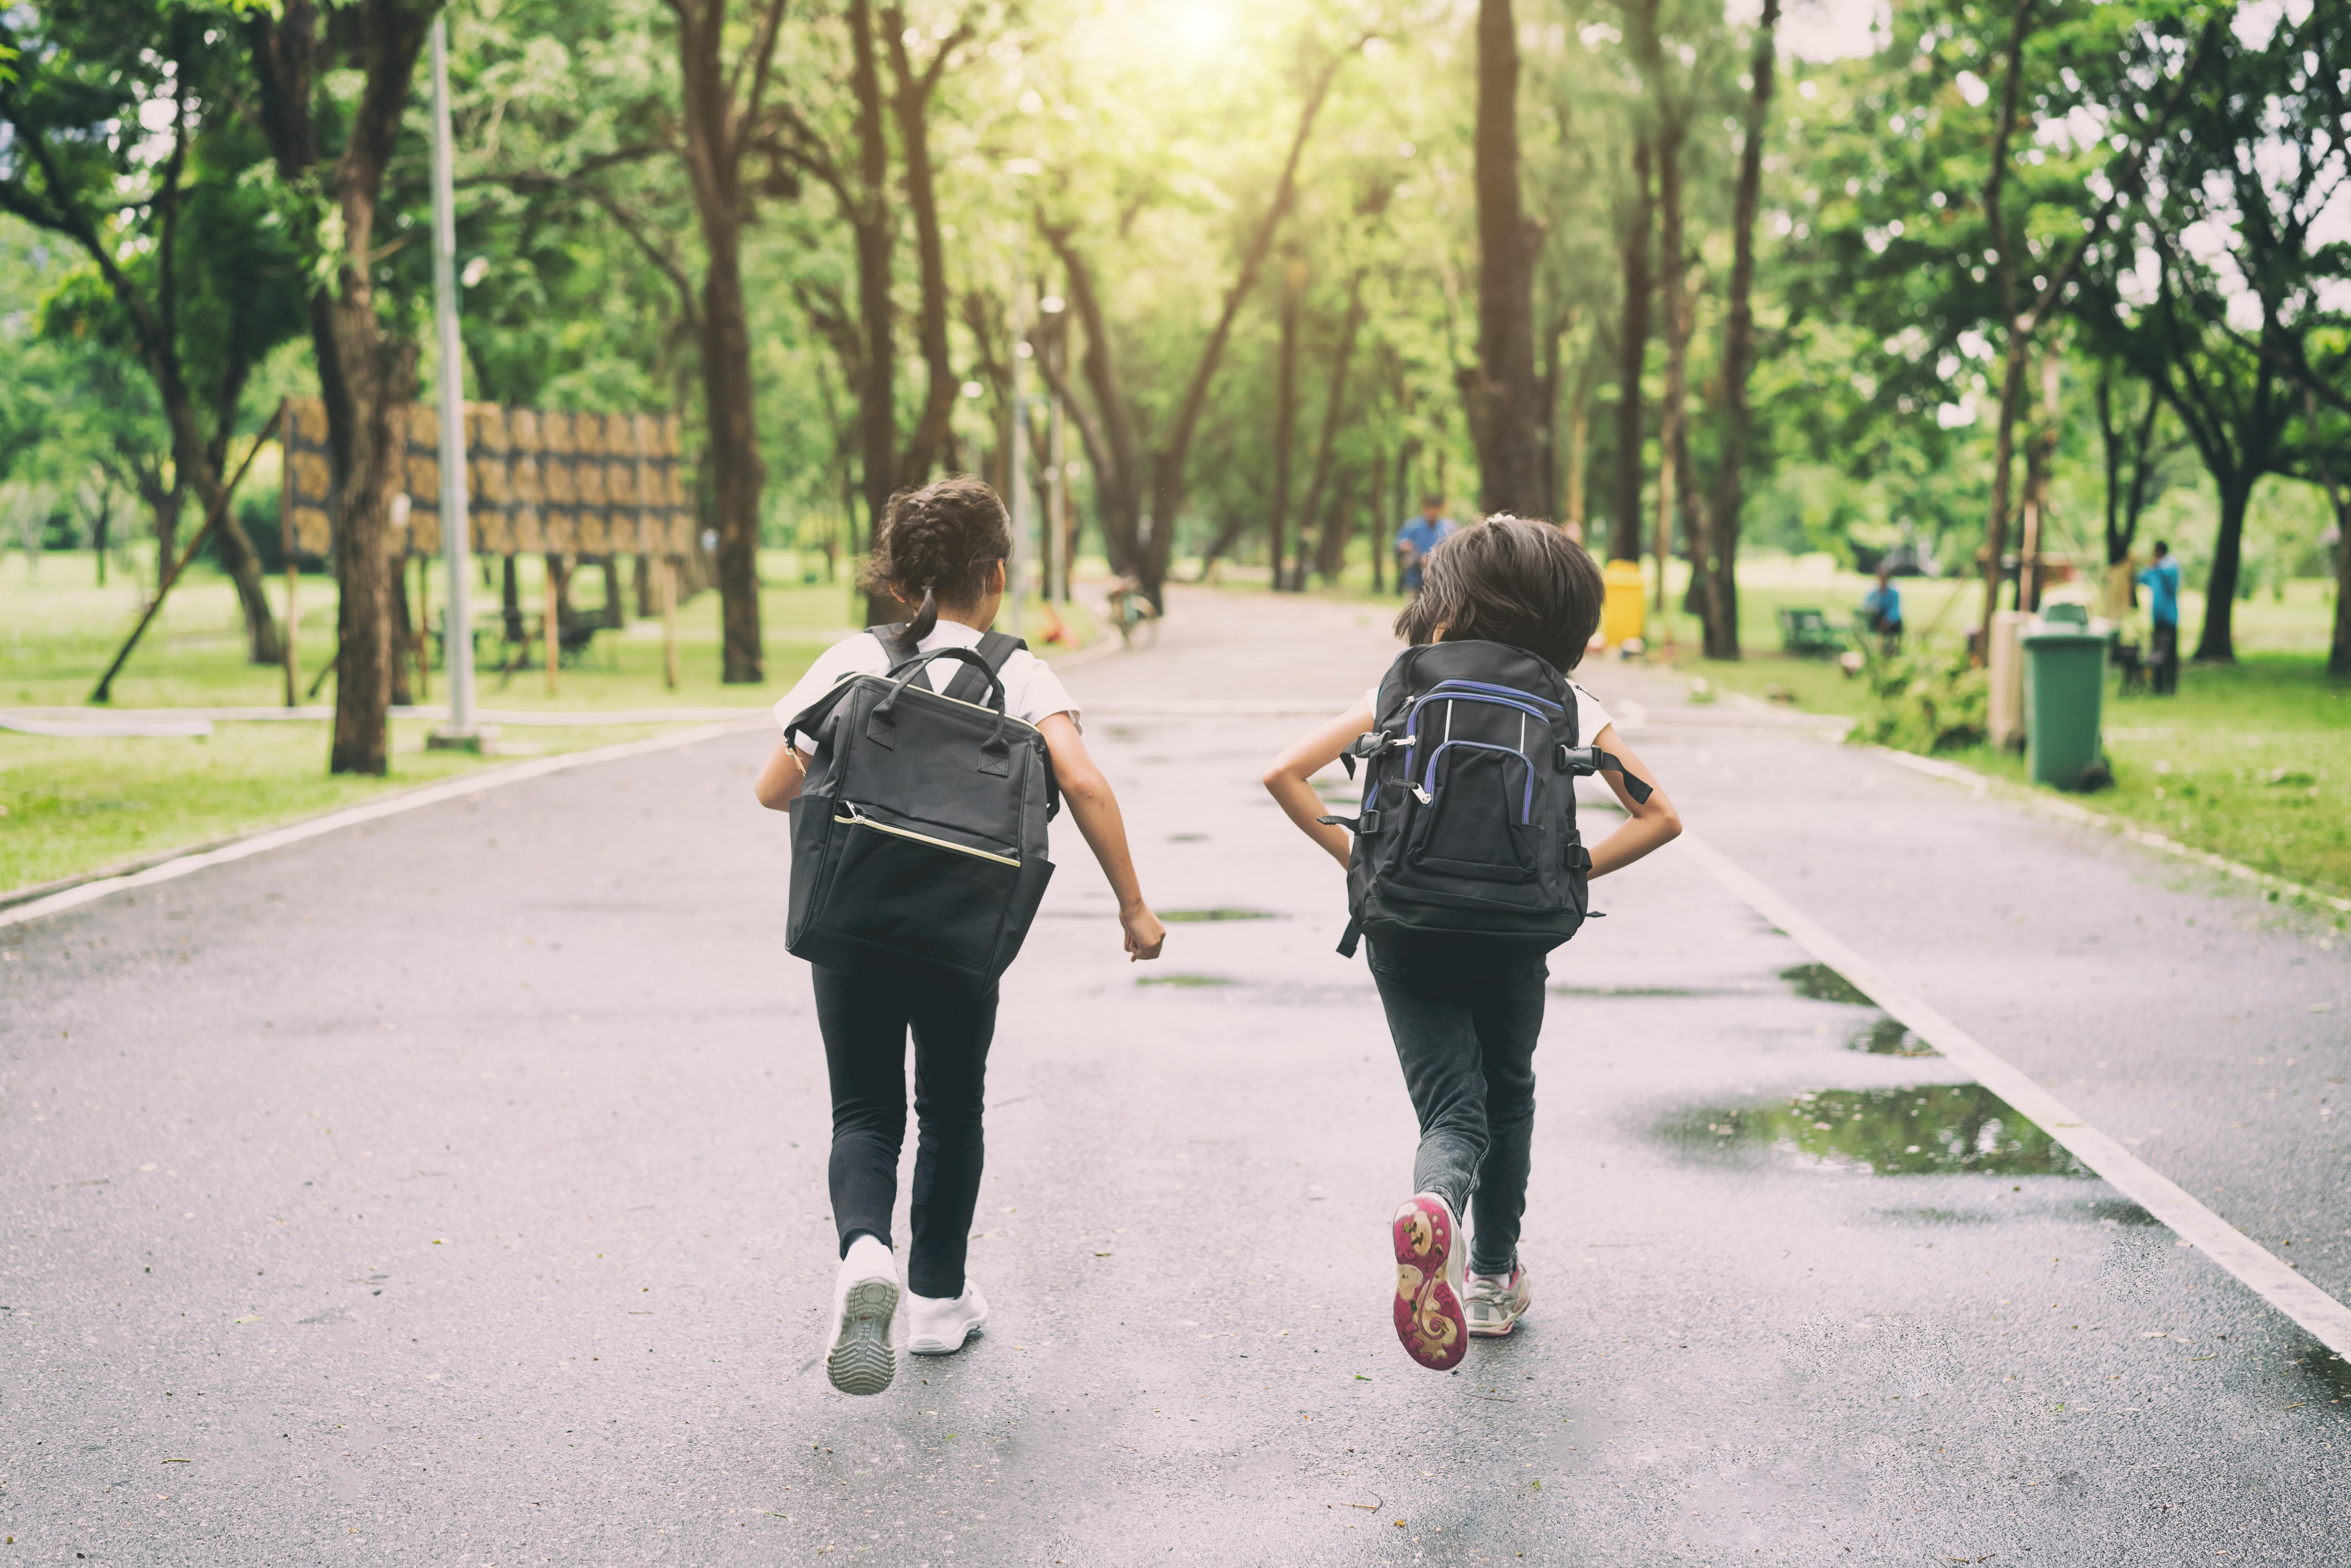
461 733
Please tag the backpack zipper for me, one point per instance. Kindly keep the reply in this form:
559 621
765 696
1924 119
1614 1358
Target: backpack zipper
860 819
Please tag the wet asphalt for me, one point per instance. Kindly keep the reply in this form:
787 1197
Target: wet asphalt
451 1190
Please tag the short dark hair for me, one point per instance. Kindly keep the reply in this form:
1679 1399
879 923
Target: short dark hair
1509 580
1432 502
936 546
2161 548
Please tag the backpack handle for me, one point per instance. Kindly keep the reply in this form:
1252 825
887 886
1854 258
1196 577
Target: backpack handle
882 724
906 672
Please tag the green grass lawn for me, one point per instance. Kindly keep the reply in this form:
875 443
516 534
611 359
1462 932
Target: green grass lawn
68 806
2250 761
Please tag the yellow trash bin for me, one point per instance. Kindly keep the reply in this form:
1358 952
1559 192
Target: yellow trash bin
1622 615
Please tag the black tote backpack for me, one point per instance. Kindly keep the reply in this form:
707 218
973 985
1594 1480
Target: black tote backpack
919 838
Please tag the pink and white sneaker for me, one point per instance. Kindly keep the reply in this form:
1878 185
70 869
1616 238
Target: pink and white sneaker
1428 1318
1497 1302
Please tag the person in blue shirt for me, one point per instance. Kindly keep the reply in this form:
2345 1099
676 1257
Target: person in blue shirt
1418 539
1881 612
2161 581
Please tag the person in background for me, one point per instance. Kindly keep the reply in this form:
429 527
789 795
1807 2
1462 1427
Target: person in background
1881 612
2161 581
1416 540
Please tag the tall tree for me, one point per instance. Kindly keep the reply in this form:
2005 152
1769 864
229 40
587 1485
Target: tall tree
366 375
2015 327
185 265
1285 431
1330 548
1635 223
1108 431
1721 552
722 115
1499 390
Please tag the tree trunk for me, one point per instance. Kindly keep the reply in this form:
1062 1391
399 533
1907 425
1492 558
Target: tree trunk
1575 481
2217 643
616 608
911 103
2338 656
1338 517
1285 428
713 155
401 623
876 399
1331 553
1505 413
1633 352
364 380
510 598
2016 328
1674 295
1739 355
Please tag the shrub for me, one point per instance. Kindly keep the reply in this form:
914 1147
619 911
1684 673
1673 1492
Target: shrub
1924 703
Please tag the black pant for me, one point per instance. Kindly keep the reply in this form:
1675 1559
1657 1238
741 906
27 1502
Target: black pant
1465 1025
865 1022
2165 645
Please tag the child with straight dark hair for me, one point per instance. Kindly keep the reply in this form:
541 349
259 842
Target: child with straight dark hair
1465 868
942 548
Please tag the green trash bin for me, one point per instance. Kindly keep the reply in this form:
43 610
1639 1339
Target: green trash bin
2065 689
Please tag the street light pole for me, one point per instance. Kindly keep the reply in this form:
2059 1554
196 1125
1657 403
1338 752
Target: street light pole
1016 576
457 641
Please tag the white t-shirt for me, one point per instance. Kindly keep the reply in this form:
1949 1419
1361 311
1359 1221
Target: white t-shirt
1032 690
1591 719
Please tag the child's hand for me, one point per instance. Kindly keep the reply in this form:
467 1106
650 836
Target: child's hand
1145 935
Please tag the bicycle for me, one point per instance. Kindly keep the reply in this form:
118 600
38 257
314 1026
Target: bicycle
1136 618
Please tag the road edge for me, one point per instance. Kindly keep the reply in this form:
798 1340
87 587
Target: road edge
2266 1275
182 862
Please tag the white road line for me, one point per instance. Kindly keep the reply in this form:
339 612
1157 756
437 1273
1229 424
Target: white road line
455 788
2269 1278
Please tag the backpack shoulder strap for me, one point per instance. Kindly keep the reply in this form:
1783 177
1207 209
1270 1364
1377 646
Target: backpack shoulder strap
997 648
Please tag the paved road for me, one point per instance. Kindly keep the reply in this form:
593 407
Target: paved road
451 1190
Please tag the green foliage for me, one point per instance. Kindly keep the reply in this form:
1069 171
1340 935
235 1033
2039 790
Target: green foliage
1925 703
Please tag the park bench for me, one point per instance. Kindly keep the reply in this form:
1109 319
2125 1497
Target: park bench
1808 634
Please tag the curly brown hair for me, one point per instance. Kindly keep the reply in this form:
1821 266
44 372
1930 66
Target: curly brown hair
937 546
1509 580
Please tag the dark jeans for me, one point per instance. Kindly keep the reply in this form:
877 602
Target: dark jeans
865 1022
1465 1026
2163 645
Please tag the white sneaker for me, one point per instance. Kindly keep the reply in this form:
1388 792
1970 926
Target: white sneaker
864 1300
937 1325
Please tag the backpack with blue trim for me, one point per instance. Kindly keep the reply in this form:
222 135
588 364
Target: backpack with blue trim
1468 826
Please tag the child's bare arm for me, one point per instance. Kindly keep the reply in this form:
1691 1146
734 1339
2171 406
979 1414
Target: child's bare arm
1095 807
780 779
1649 824
1287 779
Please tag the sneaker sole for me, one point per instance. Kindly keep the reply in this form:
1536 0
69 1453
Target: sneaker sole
940 1347
1429 1320
863 1359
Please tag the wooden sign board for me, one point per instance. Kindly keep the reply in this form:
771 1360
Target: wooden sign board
535 480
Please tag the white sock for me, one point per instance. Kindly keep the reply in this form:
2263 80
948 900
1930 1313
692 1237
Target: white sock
867 1257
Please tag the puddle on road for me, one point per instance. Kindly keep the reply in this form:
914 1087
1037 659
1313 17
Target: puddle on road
1933 1130
1189 916
1182 980
1187 838
1819 983
1882 1036
1635 991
